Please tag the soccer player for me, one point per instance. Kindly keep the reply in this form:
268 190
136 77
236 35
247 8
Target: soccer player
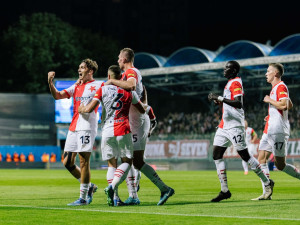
231 130
83 128
251 137
116 136
140 125
277 129
153 123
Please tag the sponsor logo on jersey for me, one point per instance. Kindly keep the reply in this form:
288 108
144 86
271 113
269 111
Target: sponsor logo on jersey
283 93
131 75
82 98
237 89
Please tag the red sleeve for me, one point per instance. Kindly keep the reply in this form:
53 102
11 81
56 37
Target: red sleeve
282 92
236 89
130 73
98 94
151 114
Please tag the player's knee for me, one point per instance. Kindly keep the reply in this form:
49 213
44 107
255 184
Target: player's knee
217 155
244 155
138 164
279 166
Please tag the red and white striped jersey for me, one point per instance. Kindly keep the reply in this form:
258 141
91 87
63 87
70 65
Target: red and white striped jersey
135 116
231 116
83 94
277 120
115 105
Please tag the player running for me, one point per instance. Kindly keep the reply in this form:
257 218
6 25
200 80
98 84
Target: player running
231 130
277 129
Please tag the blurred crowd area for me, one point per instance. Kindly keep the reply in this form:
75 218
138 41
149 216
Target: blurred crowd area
204 123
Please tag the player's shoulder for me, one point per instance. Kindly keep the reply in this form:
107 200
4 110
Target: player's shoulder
131 72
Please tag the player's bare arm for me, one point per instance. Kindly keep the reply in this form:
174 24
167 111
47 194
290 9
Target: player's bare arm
144 98
89 107
153 124
237 102
128 85
140 107
55 93
254 137
281 105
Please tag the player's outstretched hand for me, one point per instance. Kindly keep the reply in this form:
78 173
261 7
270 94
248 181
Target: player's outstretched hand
212 96
108 82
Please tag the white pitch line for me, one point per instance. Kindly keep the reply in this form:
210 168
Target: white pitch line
150 213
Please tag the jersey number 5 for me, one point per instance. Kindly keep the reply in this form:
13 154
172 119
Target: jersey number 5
117 102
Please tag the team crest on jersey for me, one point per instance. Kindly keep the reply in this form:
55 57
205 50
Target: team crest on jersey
92 88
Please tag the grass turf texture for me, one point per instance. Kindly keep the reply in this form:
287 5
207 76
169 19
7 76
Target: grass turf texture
41 197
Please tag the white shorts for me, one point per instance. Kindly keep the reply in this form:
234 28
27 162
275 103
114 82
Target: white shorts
252 149
234 136
80 141
140 133
276 143
117 146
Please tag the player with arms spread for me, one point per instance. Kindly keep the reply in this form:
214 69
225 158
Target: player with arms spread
140 125
277 129
231 130
83 128
116 136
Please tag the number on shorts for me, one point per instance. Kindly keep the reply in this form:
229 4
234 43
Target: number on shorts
85 139
117 100
277 144
134 137
238 138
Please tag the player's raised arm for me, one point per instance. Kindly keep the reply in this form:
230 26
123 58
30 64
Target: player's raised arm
55 93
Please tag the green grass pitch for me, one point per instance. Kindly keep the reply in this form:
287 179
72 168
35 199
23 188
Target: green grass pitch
41 197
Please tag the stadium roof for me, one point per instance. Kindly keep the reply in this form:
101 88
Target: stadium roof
193 71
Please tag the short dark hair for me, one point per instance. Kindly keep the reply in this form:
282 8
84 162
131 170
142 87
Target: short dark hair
235 65
279 67
129 54
90 64
116 72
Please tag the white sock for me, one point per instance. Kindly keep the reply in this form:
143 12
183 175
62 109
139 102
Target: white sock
130 184
110 177
221 170
264 167
291 170
84 188
120 173
255 166
153 176
245 166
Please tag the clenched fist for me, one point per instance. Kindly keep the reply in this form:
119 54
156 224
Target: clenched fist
51 76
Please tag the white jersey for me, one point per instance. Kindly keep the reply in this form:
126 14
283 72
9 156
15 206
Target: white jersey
277 120
115 104
83 94
232 117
